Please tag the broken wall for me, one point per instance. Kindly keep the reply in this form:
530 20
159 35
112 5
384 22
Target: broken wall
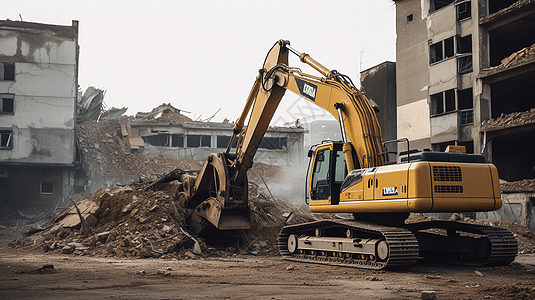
35 187
44 90
195 141
38 91
516 207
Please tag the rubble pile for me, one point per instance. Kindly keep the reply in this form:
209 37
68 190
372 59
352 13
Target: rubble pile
100 143
90 104
524 235
521 57
137 221
509 120
515 6
526 185
165 113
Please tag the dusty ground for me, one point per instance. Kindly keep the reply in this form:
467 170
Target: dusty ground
248 277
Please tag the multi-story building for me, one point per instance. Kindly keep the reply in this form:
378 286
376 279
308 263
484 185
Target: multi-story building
379 84
38 91
457 68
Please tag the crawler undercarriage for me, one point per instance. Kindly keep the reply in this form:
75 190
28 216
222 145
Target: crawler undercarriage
367 245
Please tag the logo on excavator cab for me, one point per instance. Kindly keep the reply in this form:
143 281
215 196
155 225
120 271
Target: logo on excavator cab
390 191
307 89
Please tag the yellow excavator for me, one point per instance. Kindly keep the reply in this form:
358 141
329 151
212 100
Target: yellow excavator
353 176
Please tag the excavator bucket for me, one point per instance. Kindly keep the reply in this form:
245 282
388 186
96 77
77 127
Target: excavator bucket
211 211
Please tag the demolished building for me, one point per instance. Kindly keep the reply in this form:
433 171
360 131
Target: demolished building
463 68
38 94
117 151
185 139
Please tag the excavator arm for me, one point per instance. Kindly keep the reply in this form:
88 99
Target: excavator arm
334 92
219 192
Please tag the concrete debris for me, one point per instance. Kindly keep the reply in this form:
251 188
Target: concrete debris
479 273
290 268
90 105
371 278
113 162
143 220
165 113
519 58
130 139
113 113
67 250
526 185
163 272
510 120
429 295
46 269
513 7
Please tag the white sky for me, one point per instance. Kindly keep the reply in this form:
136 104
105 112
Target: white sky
204 55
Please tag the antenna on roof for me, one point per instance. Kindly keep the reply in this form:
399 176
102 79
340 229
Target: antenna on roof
20 16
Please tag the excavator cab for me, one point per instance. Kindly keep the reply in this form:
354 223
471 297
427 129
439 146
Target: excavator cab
327 171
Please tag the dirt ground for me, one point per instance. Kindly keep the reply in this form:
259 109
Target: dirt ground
23 275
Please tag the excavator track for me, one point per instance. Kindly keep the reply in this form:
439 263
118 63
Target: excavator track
401 251
465 244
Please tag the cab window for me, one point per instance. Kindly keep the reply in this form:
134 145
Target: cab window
320 177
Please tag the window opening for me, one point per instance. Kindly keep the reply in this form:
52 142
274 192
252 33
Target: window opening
274 143
437 104
464 10
438 4
223 140
464 54
443 102
199 141
465 98
165 140
6 139
465 104
409 18
7 72
449 50
441 50
47 188
6 103
435 52
177 140
449 98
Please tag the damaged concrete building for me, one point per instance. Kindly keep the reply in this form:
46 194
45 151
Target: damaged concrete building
117 150
38 93
186 139
463 67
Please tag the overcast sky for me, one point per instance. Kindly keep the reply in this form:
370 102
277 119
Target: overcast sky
202 56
